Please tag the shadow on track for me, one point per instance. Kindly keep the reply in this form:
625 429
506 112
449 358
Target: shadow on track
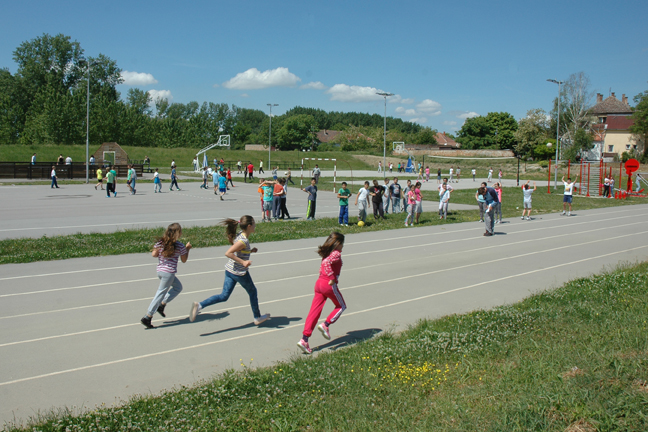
273 322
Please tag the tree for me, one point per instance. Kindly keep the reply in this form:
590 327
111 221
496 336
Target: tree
532 131
640 127
582 142
297 132
576 98
495 131
426 136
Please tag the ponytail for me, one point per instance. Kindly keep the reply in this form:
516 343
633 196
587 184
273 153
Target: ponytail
231 226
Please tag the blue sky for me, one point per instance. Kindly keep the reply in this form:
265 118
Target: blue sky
443 60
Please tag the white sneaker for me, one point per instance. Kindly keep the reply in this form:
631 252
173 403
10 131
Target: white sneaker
195 307
261 319
522 218
569 214
528 218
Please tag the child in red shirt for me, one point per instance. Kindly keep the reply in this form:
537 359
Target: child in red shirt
326 287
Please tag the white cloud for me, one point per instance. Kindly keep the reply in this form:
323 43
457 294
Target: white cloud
408 101
216 85
316 85
449 123
467 115
138 78
160 94
245 95
400 110
253 79
411 112
418 120
429 107
347 93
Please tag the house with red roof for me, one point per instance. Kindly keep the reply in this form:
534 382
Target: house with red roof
612 134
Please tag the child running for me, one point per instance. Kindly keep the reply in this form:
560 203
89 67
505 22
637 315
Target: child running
167 250
236 269
325 287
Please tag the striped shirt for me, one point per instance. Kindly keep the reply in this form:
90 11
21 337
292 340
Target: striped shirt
169 264
244 254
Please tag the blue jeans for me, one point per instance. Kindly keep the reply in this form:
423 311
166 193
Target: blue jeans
396 207
276 206
228 286
169 289
54 183
344 214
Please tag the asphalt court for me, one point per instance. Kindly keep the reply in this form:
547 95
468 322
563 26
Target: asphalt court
34 211
70 332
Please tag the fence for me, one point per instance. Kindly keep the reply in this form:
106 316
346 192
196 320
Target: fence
43 170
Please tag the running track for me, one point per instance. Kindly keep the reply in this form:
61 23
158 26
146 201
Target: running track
70 332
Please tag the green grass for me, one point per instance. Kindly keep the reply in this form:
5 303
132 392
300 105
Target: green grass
577 355
23 250
161 157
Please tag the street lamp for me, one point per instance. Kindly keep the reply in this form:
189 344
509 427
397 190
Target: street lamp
385 95
87 159
557 131
270 135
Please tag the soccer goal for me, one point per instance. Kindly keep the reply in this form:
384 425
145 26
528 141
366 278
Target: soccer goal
314 171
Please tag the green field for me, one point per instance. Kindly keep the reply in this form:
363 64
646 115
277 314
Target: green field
161 157
571 359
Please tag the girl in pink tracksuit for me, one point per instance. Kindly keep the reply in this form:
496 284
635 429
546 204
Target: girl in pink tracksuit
326 287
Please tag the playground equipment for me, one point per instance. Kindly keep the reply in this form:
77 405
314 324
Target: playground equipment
301 181
399 147
223 141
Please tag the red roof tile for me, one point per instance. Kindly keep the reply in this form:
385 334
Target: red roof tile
619 122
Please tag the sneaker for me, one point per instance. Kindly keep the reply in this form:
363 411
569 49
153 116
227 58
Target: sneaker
115 195
95 187
481 220
487 234
261 319
304 346
323 328
569 214
194 311
147 322
528 218
160 310
344 224
341 224
221 198
522 218
562 214
406 224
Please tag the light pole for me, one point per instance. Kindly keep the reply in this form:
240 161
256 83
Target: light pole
270 135
557 131
87 159
385 95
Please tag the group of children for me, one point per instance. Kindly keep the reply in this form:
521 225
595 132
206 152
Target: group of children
169 249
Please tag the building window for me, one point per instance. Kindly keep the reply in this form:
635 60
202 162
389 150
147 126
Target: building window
602 119
610 148
634 147
627 146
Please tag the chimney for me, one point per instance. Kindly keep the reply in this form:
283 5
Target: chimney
624 99
613 95
599 97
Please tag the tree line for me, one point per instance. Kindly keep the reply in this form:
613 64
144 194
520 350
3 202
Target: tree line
44 102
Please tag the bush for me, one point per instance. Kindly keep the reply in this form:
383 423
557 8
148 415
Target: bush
543 163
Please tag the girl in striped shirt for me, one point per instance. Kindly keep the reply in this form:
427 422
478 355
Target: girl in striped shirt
236 269
326 287
167 250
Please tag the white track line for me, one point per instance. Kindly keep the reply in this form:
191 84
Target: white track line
315 259
445 232
382 281
175 350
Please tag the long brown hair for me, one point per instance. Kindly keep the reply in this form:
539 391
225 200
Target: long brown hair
169 239
231 225
332 242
